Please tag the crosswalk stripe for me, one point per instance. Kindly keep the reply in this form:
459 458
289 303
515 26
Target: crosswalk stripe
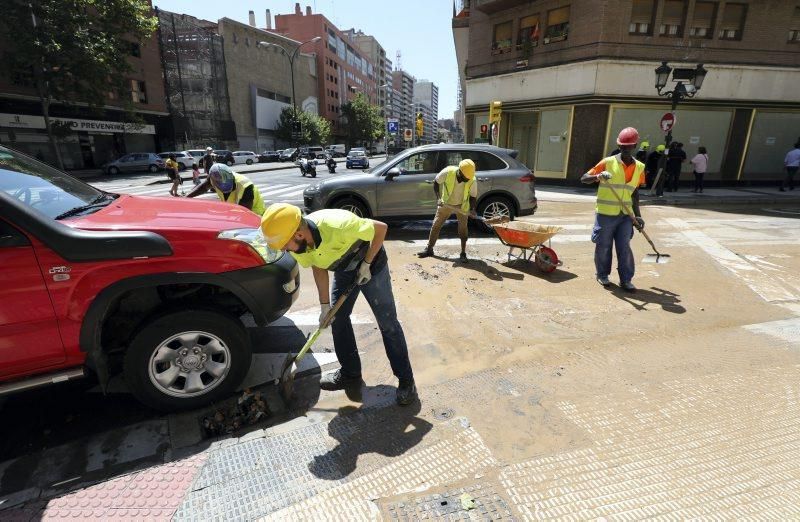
291 194
269 191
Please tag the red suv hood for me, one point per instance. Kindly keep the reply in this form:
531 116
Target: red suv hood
161 213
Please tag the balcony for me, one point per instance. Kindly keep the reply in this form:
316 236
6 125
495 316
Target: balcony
494 6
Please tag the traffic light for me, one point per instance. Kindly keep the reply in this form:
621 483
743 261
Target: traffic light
495 110
420 124
484 132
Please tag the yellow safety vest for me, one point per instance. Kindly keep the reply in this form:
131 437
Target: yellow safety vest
345 240
235 195
607 203
450 184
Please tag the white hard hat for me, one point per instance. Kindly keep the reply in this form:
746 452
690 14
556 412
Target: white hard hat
209 149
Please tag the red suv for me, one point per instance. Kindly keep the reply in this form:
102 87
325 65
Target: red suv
153 288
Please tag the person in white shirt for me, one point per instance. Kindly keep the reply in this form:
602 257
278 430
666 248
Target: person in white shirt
700 164
791 163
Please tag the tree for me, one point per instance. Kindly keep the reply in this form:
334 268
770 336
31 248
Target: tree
364 121
73 50
315 129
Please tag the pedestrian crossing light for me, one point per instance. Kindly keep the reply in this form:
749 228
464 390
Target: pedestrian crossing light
495 110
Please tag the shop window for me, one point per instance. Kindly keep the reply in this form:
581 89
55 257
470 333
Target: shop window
136 50
732 25
528 35
794 31
642 15
703 20
557 25
501 41
138 92
672 19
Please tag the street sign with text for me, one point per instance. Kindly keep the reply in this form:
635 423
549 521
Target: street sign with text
667 122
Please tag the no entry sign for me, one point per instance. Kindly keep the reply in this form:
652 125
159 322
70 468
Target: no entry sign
667 121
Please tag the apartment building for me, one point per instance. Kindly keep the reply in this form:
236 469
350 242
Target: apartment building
403 103
571 73
426 100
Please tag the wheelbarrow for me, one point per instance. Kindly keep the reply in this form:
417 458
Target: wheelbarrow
525 241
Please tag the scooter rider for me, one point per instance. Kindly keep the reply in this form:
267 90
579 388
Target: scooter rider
331 163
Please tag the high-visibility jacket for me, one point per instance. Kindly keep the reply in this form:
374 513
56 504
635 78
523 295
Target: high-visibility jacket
607 203
342 240
450 184
235 195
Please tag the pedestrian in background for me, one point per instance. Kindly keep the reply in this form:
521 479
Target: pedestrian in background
195 174
641 154
700 165
173 173
208 160
791 163
675 158
651 168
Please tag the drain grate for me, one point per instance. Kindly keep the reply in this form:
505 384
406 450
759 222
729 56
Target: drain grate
448 505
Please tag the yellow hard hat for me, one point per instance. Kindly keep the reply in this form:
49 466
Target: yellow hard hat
279 223
660 148
467 168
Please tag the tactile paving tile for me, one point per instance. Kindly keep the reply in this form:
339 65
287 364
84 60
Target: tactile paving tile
446 505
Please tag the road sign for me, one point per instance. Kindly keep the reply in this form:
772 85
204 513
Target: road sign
407 134
393 126
667 121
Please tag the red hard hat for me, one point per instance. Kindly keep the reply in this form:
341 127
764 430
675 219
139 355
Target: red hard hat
628 136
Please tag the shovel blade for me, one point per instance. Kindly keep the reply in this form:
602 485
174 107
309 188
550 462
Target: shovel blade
660 259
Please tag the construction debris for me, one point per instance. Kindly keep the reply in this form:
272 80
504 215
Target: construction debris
249 409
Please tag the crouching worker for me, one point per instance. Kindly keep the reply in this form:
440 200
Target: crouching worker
230 188
351 247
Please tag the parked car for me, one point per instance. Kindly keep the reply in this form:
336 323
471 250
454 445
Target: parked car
269 156
317 152
184 159
337 151
144 161
245 157
402 185
97 284
224 156
289 155
357 159
196 154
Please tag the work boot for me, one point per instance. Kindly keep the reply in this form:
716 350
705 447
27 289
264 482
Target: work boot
428 252
603 280
338 381
628 286
406 392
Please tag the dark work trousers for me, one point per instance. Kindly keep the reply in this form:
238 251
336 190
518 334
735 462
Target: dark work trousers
672 181
378 291
698 181
789 179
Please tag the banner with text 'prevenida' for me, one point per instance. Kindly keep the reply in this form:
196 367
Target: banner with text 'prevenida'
20 121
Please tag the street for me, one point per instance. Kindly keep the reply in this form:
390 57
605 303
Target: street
542 395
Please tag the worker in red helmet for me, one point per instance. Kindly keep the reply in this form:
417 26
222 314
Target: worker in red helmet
621 174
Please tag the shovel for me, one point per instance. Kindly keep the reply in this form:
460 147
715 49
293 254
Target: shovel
289 370
649 258
498 220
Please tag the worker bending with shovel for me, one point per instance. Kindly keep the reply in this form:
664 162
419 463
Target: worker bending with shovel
351 247
230 187
620 177
456 192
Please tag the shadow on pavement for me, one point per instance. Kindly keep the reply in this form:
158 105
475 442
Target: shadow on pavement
390 431
558 275
482 267
641 298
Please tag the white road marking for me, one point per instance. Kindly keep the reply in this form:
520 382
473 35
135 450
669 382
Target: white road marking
288 195
309 317
786 329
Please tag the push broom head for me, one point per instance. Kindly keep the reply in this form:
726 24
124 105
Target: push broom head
661 259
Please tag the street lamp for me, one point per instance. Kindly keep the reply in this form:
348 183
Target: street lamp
291 56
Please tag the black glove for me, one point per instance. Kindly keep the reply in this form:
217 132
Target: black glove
639 223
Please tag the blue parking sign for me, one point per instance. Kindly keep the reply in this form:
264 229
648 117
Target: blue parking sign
393 127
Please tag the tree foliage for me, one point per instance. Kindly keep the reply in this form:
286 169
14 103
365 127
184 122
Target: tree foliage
316 130
73 50
364 121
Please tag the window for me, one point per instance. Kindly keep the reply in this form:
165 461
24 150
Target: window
422 163
732 24
138 92
672 19
557 25
528 32
501 42
703 20
794 29
136 50
483 160
642 15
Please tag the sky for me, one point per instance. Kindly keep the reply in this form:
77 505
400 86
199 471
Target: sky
419 29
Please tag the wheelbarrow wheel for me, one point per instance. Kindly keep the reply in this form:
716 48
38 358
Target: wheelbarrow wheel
546 259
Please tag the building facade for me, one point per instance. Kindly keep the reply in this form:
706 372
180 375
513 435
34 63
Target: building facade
260 82
426 100
91 137
403 103
343 70
571 74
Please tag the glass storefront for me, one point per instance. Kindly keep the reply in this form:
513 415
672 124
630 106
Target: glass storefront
773 134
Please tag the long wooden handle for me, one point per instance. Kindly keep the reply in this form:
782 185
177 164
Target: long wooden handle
326 321
632 216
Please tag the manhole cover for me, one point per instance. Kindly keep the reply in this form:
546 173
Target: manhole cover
443 413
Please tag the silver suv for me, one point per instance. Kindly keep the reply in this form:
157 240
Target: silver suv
136 161
403 185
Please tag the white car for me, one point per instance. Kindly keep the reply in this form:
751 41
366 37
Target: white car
184 159
245 156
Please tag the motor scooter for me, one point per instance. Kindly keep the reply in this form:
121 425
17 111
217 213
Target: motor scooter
308 167
331 163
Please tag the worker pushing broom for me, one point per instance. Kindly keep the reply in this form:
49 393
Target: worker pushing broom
617 211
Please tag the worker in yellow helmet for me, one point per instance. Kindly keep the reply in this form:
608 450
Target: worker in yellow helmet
456 192
351 247
231 187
